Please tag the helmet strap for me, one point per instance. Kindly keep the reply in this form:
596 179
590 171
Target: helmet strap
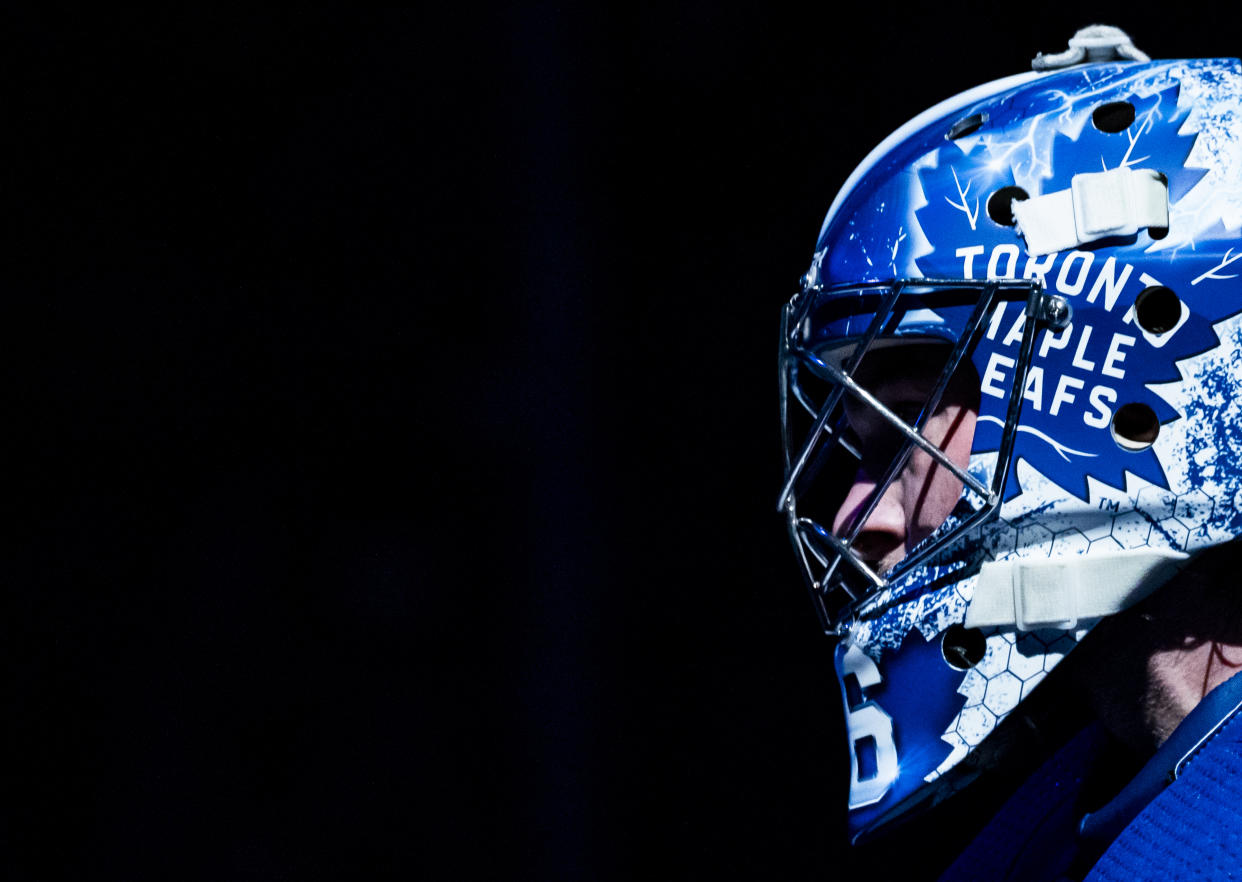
1033 594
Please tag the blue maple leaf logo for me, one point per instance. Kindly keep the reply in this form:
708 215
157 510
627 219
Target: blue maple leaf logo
1152 140
1078 381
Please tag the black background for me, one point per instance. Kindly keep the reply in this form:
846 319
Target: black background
396 450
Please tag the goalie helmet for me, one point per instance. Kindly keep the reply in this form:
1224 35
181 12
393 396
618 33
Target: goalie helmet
1010 391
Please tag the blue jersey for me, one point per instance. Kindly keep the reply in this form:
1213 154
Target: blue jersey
1180 817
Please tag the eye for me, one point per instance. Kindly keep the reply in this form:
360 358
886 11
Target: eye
870 436
907 411
881 446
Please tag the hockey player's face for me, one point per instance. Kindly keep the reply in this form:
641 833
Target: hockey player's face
925 492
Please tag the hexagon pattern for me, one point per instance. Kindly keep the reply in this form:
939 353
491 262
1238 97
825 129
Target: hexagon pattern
1015 663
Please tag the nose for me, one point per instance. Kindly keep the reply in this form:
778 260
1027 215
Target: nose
882 539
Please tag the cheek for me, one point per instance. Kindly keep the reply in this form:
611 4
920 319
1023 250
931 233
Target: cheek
932 490
959 441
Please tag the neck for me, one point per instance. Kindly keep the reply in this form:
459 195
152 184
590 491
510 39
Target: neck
1179 677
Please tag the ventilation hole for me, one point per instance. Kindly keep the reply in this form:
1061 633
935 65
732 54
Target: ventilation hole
963 647
1157 309
999 208
1115 116
1135 426
966 125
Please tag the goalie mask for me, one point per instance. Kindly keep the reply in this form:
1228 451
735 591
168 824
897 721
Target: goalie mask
1011 394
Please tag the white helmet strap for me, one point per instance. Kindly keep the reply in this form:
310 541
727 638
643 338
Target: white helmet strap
1119 202
1031 594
